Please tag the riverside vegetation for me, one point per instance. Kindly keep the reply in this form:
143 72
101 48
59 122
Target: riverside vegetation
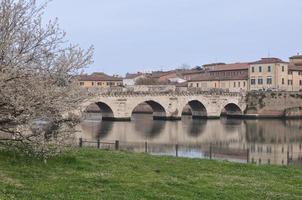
100 174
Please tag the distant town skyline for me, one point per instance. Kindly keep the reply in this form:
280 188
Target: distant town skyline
145 35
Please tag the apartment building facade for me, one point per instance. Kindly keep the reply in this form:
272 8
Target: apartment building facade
99 81
233 77
264 74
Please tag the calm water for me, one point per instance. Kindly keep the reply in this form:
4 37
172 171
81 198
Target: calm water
258 141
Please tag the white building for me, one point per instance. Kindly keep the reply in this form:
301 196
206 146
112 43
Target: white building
131 79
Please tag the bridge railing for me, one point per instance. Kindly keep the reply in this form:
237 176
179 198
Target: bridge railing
205 151
173 92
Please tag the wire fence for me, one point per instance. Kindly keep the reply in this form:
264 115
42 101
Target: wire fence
204 151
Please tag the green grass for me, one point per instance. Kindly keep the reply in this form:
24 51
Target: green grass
94 174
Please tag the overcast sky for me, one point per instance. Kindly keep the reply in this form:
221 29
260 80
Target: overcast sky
142 35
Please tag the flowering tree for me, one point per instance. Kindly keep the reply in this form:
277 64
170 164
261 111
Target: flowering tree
37 80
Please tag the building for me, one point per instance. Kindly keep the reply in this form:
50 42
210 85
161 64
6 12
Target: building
269 73
189 74
233 77
99 80
167 77
265 74
131 79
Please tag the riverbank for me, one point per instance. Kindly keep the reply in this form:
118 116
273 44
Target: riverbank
95 174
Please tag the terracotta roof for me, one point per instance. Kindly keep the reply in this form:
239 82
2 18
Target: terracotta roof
132 76
295 67
230 67
159 74
192 71
207 77
268 61
213 64
296 57
98 78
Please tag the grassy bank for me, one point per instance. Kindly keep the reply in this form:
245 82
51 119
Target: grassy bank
93 174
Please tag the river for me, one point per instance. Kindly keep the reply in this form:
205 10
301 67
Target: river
263 141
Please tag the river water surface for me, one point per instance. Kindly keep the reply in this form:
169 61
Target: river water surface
258 141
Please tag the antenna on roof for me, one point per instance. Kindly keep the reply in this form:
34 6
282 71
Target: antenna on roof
268 53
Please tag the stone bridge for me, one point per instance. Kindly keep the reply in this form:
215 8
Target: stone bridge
119 106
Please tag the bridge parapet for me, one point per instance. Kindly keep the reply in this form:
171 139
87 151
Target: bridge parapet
127 93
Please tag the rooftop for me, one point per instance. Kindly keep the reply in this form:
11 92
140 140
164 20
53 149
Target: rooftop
230 67
268 61
98 77
295 67
132 76
207 77
296 57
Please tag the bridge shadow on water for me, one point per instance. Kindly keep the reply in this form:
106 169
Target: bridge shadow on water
146 126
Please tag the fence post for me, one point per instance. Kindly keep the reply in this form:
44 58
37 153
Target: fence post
176 149
210 151
146 147
287 157
117 144
248 155
99 143
81 142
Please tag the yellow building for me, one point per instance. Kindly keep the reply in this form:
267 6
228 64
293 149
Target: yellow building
265 74
99 81
268 73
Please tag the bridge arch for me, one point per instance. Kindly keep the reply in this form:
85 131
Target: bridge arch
158 110
99 107
231 110
198 109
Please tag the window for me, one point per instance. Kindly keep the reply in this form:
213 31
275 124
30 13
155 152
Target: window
244 84
234 84
269 80
260 68
291 72
300 82
260 80
81 83
283 82
269 69
191 84
290 82
253 81
92 83
282 68
238 84
99 83
253 69
300 73
197 84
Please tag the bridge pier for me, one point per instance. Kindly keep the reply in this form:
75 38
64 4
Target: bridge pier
165 118
117 119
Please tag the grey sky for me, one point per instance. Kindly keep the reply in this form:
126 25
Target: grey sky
140 35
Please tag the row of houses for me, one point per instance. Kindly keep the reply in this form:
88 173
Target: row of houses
264 74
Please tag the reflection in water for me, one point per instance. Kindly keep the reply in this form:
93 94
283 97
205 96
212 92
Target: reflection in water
98 129
259 141
193 127
231 124
148 127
